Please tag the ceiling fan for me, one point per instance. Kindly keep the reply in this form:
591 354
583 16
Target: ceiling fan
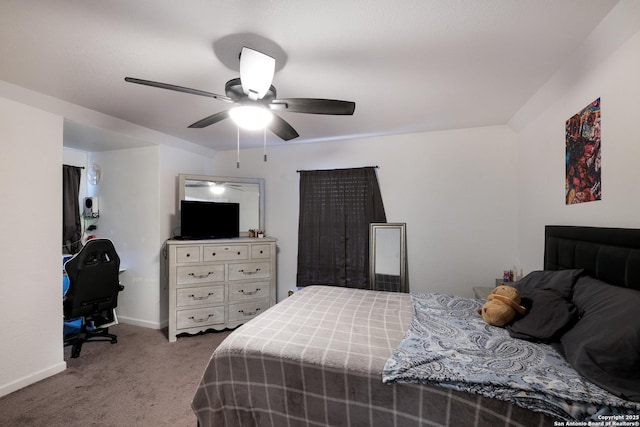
253 94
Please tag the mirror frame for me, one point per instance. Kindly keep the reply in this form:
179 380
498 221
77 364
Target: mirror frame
182 178
402 227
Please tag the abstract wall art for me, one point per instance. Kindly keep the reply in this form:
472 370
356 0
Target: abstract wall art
583 156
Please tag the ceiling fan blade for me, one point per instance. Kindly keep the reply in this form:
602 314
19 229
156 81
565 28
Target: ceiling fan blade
314 106
208 121
282 129
177 88
256 73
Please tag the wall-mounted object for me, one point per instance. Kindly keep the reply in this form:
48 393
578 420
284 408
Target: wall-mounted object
90 207
248 192
583 156
94 173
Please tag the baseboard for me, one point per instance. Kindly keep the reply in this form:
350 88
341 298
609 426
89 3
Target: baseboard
139 322
32 378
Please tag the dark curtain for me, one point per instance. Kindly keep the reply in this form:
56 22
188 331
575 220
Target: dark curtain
71 229
336 208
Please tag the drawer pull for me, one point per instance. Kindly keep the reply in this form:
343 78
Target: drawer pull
249 292
201 298
249 313
249 272
202 275
201 319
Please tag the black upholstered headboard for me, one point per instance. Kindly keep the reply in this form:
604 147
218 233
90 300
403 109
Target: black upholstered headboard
608 254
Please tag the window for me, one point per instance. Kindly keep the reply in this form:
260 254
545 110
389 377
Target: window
336 208
71 230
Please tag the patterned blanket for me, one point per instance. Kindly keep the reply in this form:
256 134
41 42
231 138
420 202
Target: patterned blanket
449 345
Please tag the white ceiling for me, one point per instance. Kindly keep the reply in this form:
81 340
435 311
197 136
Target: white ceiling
409 65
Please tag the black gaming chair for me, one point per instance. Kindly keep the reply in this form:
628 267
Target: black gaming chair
93 293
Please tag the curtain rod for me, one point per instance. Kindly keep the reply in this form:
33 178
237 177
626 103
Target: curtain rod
363 167
79 167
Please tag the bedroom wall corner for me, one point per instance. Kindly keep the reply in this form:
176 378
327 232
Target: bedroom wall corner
128 194
541 150
173 161
30 256
456 190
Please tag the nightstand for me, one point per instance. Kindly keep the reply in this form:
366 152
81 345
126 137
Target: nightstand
482 292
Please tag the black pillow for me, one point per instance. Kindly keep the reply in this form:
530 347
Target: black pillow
604 345
560 281
548 317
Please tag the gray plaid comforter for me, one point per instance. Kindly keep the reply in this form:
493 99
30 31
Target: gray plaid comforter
316 359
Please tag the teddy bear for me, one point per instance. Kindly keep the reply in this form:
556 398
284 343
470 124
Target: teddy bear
502 306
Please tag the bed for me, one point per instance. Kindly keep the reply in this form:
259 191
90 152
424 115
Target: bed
336 356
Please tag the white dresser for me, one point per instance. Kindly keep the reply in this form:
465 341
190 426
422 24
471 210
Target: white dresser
218 284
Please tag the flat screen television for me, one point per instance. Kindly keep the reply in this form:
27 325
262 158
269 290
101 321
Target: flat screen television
209 220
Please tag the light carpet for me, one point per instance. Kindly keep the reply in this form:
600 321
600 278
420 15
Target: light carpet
143 380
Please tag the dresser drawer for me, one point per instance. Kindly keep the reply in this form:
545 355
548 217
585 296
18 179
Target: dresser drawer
199 317
250 270
260 251
187 254
200 274
247 291
226 253
200 295
247 310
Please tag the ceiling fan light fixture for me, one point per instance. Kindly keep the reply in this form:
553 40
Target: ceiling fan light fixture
255 97
250 117
216 189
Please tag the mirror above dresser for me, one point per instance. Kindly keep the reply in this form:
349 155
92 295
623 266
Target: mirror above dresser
248 192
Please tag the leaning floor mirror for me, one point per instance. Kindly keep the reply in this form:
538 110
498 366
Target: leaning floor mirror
388 257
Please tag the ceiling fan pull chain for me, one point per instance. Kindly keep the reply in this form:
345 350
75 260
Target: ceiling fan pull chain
265 143
238 160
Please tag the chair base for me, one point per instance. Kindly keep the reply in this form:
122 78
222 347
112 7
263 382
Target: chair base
83 336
